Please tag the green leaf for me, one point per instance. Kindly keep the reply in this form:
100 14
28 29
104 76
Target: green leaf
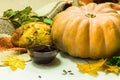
9 13
115 60
48 21
24 16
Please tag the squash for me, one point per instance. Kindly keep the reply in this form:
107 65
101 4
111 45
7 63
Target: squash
30 34
90 31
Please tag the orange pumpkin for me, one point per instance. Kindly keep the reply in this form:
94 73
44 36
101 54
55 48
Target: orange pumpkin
90 31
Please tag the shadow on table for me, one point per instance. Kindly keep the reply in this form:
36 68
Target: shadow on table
56 62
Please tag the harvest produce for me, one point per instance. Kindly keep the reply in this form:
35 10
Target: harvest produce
34 33
87 31
90 31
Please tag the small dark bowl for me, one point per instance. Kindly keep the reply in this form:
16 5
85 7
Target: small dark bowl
43 55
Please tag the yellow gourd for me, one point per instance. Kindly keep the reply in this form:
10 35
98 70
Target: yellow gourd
34 33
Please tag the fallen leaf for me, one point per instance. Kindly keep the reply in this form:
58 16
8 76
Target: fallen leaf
91 68
14 62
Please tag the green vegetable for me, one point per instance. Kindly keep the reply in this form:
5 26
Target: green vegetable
19 18
115 60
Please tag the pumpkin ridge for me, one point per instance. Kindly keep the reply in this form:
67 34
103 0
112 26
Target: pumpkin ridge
96 39
114 39
69 40
63 36
83 39
116 22
117 28
59 37
76 38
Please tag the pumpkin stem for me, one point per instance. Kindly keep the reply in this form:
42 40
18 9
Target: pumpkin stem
89 15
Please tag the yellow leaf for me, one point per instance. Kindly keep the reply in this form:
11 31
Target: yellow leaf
111 69
91 68
14 62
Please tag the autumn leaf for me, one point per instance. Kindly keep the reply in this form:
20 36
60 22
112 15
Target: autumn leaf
14 62
91 68
95 67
